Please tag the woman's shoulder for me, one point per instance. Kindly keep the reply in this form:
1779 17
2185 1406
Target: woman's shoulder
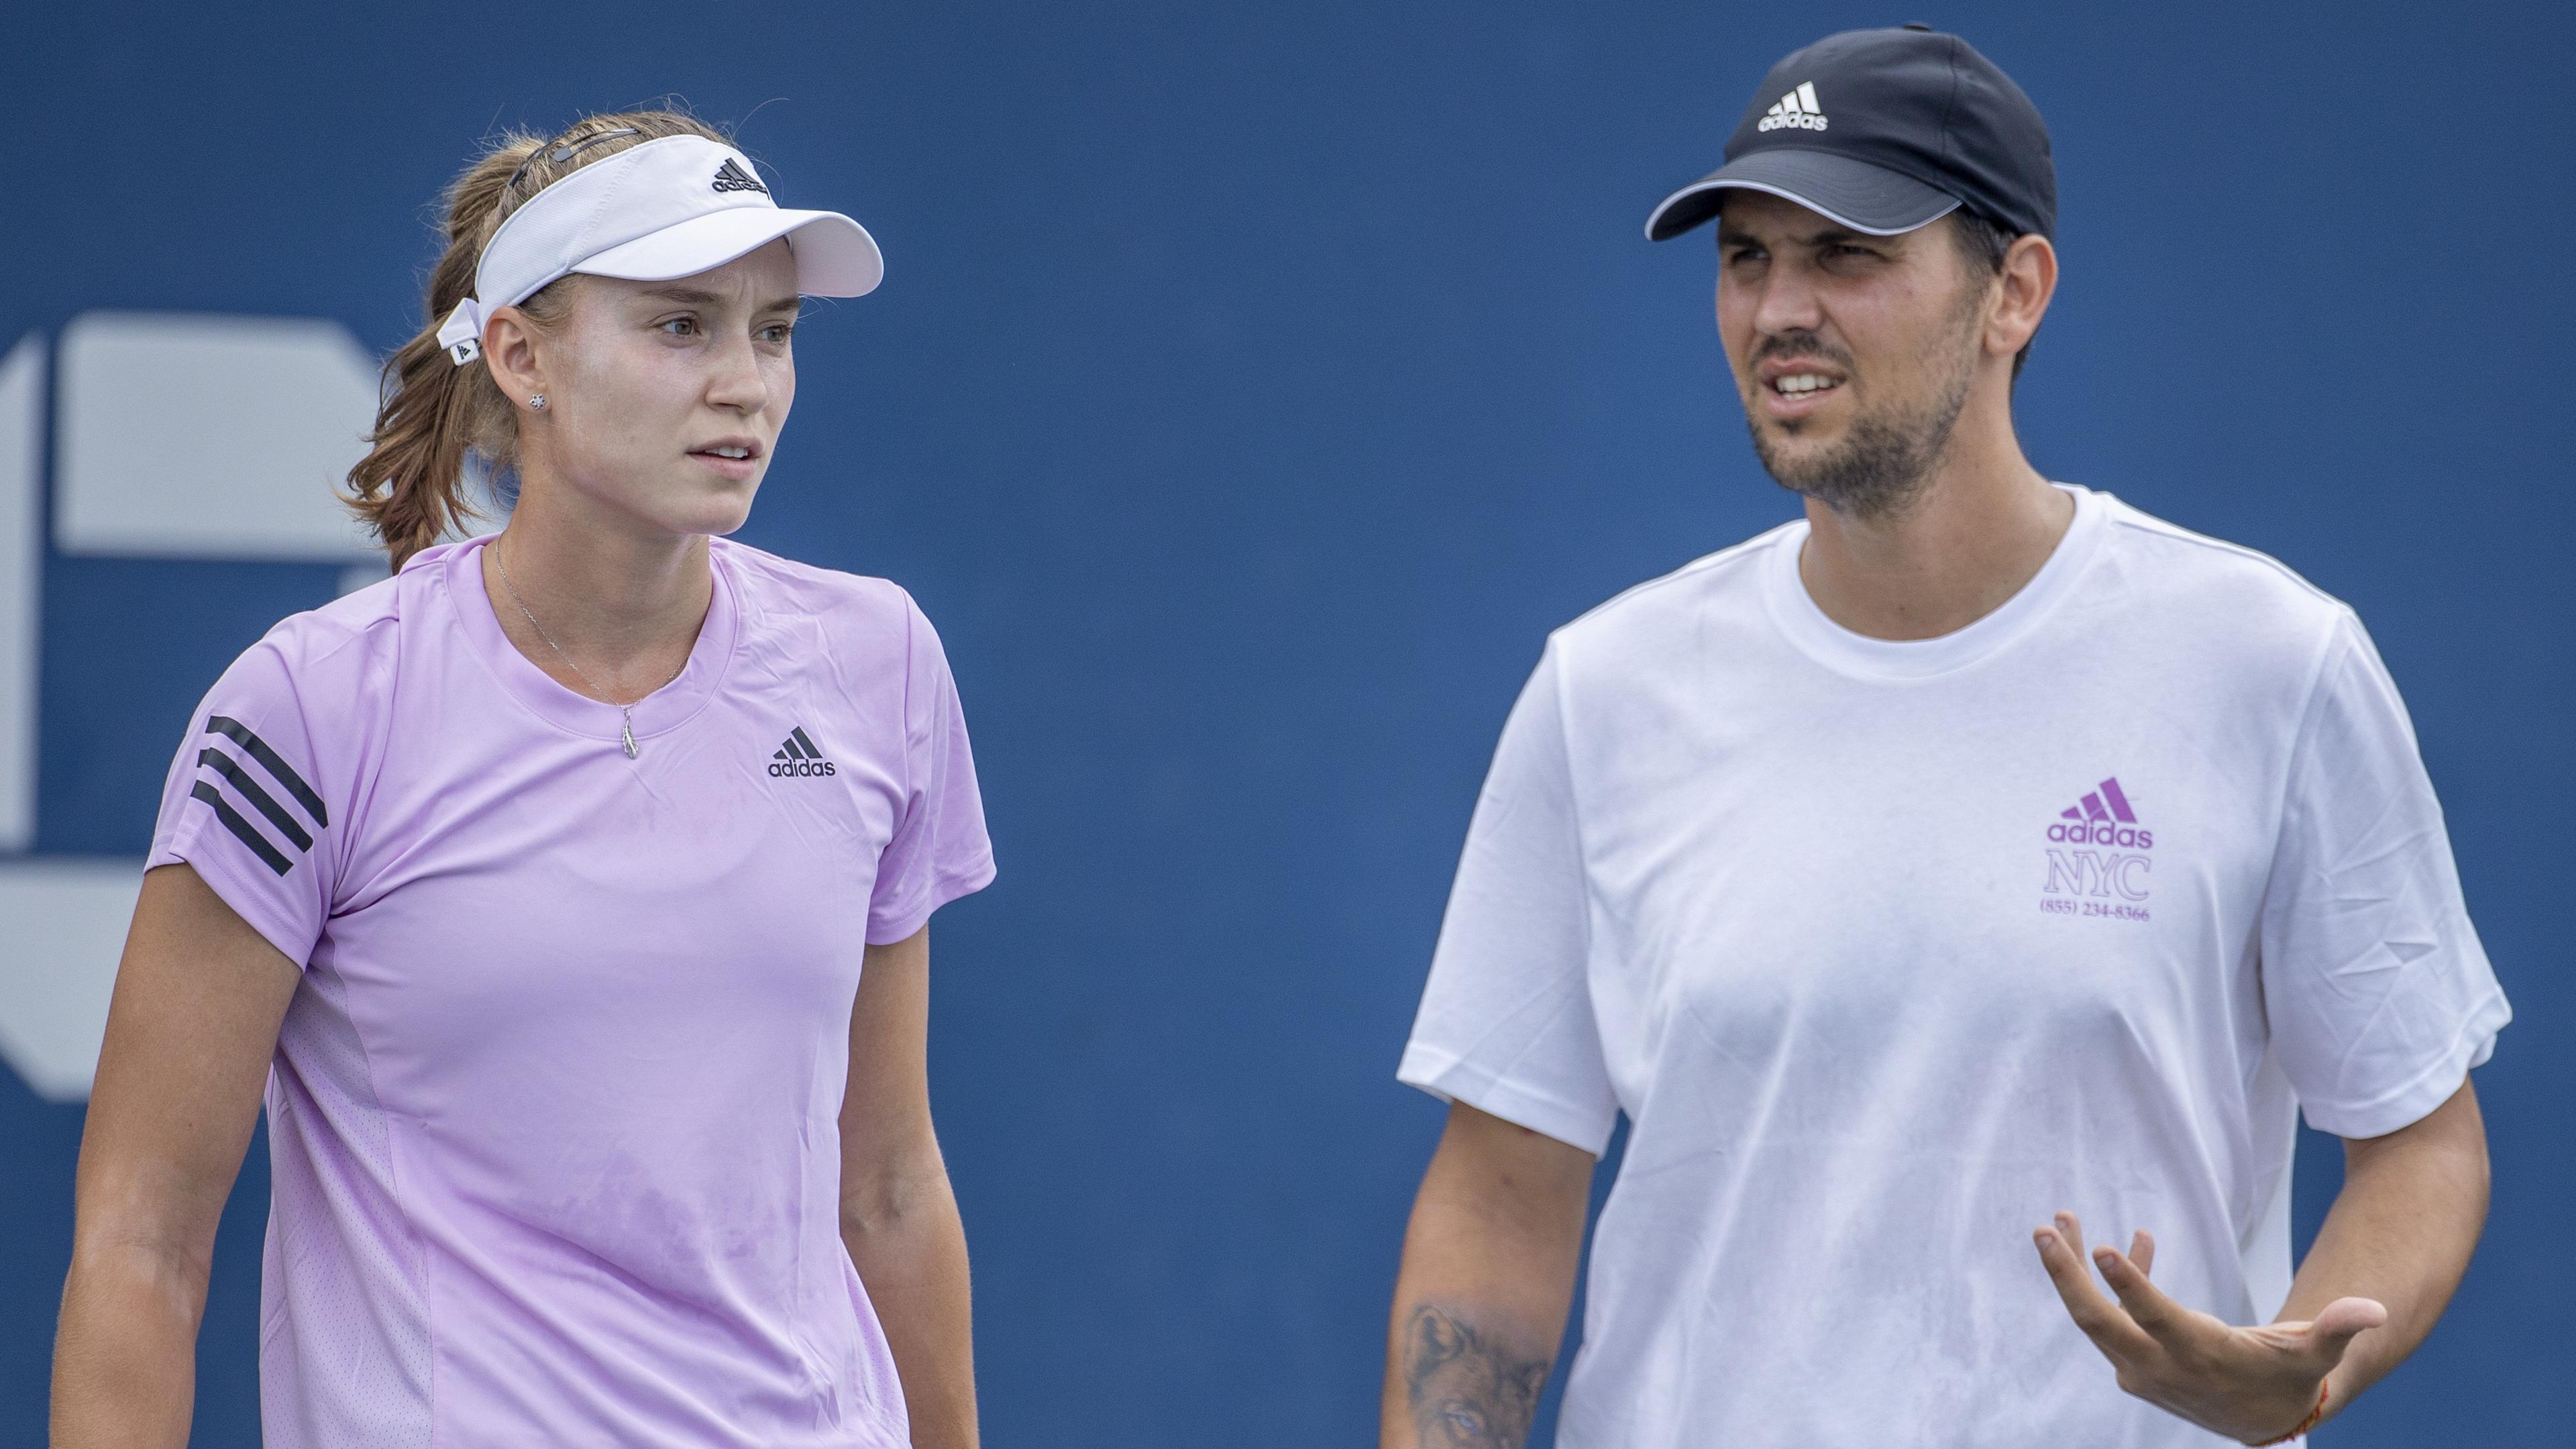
277 754
348 638
772 586
350 653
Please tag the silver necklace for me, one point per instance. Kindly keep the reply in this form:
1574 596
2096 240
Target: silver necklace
626 710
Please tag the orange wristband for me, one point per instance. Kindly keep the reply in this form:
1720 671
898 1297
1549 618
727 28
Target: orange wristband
2315 1416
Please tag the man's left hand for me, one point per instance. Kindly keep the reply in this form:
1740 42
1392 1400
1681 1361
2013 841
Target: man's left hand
2251 1384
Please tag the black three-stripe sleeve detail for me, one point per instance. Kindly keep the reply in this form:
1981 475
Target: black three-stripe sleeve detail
259 798
249 833
272 762
799 736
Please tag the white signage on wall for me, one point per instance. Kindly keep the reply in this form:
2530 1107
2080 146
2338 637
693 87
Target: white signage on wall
175 436
22 471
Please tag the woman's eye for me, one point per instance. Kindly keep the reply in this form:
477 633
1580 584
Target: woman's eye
681 326
776 332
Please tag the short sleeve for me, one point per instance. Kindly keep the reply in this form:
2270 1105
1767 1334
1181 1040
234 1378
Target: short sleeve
247 804
2379 997
939 850
1506 1023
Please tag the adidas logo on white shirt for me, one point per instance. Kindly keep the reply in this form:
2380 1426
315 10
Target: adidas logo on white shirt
1798 108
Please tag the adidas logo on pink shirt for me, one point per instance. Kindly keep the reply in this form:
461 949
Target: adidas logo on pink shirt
245 784
799 757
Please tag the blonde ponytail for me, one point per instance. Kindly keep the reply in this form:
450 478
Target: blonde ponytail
435 415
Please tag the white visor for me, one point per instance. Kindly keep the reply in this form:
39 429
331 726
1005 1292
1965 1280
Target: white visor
668 208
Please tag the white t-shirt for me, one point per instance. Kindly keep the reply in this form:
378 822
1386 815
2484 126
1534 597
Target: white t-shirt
1890 950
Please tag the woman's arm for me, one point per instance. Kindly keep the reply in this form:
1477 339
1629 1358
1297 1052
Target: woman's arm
190 1030
898 1214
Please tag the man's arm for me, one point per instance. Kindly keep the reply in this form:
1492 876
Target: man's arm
190 1030
898 1213
2400 1232
1480 1302
2393 1249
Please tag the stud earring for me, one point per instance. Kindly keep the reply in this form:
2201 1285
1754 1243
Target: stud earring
537 402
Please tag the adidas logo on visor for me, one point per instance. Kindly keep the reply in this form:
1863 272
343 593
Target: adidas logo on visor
730 177
799 757
1798 109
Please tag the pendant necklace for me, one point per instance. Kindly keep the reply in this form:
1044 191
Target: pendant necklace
626 734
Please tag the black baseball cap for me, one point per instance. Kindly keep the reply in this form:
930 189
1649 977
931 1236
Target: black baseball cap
1884 131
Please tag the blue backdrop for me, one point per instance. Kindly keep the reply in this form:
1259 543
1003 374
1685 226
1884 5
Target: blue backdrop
1252 388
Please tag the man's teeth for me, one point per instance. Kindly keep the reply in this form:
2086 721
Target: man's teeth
1797 383
730 452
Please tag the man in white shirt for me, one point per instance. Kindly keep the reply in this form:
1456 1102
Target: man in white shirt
1975 853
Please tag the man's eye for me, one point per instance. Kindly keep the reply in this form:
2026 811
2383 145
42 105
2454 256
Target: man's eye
776 332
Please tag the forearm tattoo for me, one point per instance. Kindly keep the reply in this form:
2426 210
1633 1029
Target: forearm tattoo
1467 1389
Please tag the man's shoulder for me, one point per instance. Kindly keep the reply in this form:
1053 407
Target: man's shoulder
1711 588
2227 588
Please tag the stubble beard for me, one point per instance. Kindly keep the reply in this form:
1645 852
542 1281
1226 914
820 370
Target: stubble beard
1888 455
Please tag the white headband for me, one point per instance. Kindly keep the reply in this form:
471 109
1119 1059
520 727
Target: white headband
668 208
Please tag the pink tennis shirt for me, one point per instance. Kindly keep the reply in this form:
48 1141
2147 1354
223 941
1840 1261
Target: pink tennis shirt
553 1116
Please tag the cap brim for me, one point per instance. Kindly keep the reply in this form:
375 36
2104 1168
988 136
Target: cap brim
1851 193
835 256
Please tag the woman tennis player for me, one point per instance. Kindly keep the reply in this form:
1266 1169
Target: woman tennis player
567 891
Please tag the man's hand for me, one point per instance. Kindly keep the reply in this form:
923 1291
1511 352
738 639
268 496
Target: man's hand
2251 1384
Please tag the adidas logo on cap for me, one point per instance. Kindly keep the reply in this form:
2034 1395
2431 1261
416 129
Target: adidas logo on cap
799 757
1798 109
730 177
